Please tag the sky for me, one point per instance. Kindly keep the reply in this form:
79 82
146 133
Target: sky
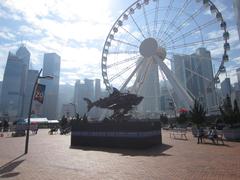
76 30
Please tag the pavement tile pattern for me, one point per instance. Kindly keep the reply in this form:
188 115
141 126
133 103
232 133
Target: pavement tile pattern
50 158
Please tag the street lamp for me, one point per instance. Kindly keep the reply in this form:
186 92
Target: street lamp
30 107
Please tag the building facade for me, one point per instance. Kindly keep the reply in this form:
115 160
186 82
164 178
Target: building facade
226 87
0 97
14 83
236 7
31 78
51 67
88 89
195 74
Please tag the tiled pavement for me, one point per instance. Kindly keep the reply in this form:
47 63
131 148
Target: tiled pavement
51 158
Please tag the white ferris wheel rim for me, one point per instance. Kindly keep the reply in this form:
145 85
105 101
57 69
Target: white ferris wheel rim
157 47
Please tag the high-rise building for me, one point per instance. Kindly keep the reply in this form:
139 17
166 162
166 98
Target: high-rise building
68 110
226 87
13 86
51 67
79 94
24 55
31 78
66 94
236 7
195 74
97 94
0 96
166 101
238 75
87 90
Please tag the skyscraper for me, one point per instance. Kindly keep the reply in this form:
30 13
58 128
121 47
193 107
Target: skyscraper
51 67
236 7
97 94
195 74
13 86
31 78
87 90
238 75
24 55
0 96
226 87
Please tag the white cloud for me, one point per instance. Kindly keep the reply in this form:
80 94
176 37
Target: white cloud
52 25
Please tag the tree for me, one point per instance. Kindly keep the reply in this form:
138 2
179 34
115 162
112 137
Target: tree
230 115
182 119
63 123
236 112
163 118
197 114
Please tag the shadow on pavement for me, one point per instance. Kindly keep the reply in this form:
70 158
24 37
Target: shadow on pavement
181 139
152 151
215 144
6 169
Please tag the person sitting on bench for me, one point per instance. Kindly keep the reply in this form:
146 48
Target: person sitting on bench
212 134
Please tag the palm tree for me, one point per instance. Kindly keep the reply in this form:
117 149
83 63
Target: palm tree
230 114
197 114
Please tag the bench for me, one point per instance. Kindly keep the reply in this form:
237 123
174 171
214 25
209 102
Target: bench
179 133
53 130
218 137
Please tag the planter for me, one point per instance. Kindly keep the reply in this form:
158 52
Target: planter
231 133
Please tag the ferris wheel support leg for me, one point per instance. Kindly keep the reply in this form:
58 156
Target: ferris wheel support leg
181 92
131 76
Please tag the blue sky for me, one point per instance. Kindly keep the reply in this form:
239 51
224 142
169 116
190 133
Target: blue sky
76 30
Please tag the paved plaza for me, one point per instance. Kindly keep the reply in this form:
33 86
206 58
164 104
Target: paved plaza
51 158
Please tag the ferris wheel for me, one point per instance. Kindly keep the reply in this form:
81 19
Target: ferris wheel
149 39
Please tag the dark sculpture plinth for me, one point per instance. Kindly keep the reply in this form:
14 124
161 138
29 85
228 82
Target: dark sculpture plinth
116 134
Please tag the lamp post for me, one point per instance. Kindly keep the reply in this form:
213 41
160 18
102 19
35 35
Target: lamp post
30 107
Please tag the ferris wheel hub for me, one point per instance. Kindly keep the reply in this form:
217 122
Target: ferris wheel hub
149 47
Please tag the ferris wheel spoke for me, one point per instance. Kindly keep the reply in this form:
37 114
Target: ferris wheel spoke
162 25
156 18
131 34
193 72
191 32
181 92
190 18
146 21
123 61
123 52
192 44
123 42
179 13
199 75
139 29
131 76
123 71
